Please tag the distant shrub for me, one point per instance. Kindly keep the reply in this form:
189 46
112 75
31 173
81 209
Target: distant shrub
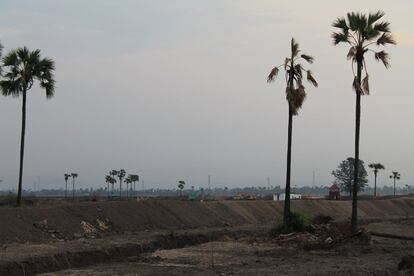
298 223
8 200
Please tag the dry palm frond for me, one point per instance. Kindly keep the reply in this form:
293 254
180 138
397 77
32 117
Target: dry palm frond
311 79
307 58
352 53
386 38
287 60
357 86
273 74
298 70
384 57
295 48
365 85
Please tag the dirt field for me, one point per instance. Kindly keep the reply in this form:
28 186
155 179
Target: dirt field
128 217
379 256
218 236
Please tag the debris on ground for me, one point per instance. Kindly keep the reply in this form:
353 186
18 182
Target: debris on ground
89 231
44 226
323 233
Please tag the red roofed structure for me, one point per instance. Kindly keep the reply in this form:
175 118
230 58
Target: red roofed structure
334 192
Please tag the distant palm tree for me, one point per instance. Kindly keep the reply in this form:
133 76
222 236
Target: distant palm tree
295 95
121 174
134 178
114 174
66 184
128 181
23 67
74 176
375 168
109 180
395 176
181 185
361 32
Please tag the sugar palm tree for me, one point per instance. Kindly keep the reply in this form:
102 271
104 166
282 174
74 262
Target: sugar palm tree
361 32
121 174
108 180
134 178
396 176
181 185
375 168
66 184
22 68
74 176
128 181
295 96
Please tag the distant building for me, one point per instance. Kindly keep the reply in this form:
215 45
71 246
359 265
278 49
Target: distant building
283 196
334 192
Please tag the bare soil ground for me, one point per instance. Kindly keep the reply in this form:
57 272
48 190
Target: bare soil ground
261 256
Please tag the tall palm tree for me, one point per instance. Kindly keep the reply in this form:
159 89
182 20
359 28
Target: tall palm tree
74 176
22 68
114 174
128 181
108 180
121 174
295 96
396 176
134 178
375 168
361 32
66 184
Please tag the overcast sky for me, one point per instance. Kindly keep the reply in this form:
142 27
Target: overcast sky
177 89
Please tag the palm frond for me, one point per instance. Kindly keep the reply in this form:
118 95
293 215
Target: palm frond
374 17
356 85
386 38
294 47
383 27
365 85
340 23
287 60
273 74
308 58
311 79
340 38
384 57
351 53
298 71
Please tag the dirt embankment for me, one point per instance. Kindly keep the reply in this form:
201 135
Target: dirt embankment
69 221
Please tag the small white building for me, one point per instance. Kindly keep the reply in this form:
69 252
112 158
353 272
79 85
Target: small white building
283 196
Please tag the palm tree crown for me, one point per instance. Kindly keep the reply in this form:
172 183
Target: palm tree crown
22 68
362 32
295 90
376 167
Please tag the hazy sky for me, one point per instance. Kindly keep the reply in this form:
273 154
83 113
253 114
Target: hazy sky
177 90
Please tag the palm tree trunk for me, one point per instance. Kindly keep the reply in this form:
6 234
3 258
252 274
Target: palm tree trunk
120 187
23 133
73 188
354 219
66 188
286 212
375 184
108 190
394 186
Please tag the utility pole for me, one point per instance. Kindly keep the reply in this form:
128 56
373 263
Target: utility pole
209 183
268 183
